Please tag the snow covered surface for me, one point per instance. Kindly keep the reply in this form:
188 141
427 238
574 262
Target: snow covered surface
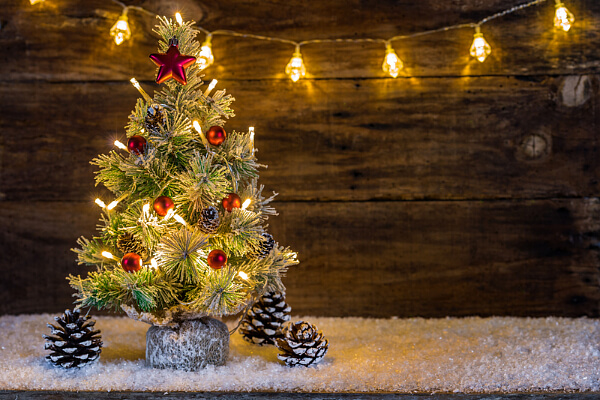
365 355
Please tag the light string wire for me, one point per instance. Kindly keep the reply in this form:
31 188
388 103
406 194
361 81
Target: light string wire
392 64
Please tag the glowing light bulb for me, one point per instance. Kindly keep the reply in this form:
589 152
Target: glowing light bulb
106 254
243 275
251 130
198 129
563 18
136 85
480 49
120 30
391 63
100 203
295 69
178 18
146 208
210 87
120 145
246 203
153 264
205 59
35 1
112 204
179 219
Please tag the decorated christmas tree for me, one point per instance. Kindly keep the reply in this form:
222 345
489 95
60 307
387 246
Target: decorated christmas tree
185 236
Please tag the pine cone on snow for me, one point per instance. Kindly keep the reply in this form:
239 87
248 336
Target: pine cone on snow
127 243
75 343
262 325
302 344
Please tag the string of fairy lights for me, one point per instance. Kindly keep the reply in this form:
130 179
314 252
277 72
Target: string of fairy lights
296 69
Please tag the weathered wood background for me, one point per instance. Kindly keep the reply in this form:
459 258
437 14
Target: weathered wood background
459 188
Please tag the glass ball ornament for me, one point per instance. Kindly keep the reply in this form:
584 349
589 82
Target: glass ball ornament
162 205
216 259
216 135
131 262
136 144
231 201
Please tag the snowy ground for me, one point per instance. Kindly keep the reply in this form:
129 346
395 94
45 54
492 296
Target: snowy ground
397 355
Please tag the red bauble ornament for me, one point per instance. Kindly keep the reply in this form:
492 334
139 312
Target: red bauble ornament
231 201
131 262
216 259
136 144
172 64
162 205
216 135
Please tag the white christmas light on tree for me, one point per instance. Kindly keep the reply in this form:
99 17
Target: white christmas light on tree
178 18
243 275
120 30
205 58
120 145
153 264
295 69
100 203
246 203
198 129
210 87
563 19
106 254
480 49
136 85
35 1
391 63
179 219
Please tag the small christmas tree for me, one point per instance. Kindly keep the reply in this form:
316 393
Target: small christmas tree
185 237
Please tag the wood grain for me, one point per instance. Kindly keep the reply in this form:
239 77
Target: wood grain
459 138
67 40
379 259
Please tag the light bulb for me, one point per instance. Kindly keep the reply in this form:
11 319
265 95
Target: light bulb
178 18
35 1
246 203
120 145
153 263
100 203
295 69
391 63
112 204
205 58
179 219
210 87
136 85
107 255
563 18
480 49
120 30
243 275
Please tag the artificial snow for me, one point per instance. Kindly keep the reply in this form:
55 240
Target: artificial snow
365 355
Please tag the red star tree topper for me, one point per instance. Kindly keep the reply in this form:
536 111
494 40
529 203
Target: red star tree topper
172 64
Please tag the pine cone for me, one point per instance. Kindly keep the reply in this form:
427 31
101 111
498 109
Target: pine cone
302 344
155 117
262 325
127 243
265 246
76 343
209 220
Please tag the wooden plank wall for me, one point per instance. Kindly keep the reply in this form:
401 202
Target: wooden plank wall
457 189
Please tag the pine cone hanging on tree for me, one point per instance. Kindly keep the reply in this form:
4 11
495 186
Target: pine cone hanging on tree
127 243
155 117
75 343
209 220
302 344
262 325
265 246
